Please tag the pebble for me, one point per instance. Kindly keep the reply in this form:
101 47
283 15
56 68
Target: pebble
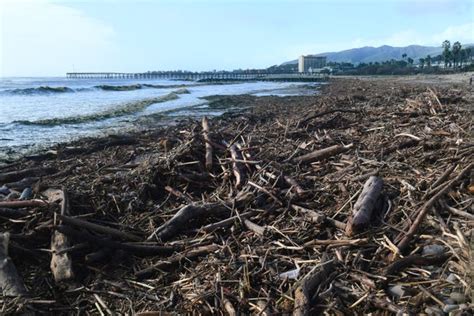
433 250
457 297
451 278
397 290
4 190
450 307
432 310
26 194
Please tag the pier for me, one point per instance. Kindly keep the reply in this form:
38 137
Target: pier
200 76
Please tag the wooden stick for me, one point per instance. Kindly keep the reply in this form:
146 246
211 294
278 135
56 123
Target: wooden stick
99 228
365 205
173 261
61 263
25 203
199 213
237 166
207 140
322 154
18 175
406 238
10 281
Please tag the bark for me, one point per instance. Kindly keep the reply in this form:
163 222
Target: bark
322 154
365 206
237 166
10 281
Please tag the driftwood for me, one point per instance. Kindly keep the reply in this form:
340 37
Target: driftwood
366 204
10 281
61 262
98 228
23 203
207 140
170 262
134 248
237 165
322 154
311 285
405 238
197 213
18 175
309 118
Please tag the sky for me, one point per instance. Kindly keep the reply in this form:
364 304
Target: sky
52 37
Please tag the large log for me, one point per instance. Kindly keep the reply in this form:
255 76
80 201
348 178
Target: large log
61 263
24 203
18 175
365 206
10 281
197 213
207 140
322 154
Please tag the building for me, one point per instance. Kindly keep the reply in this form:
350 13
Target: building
311 63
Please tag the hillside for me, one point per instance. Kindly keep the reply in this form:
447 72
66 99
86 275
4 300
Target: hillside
382 53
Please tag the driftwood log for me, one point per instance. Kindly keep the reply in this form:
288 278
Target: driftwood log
23 203
18 175
365 206
322 154
197 213
237 165
10 282
207 140
61 262
311 285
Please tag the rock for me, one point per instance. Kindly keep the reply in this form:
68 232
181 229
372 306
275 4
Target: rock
4 190
26 194
450 307
433 310
432 250
397 290
457 297
451 278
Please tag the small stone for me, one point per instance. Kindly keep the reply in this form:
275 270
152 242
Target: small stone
397 290
432 310
450 307
457 297
26 194
451 278
4 190
432 250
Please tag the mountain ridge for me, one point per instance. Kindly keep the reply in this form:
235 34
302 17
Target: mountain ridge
381 53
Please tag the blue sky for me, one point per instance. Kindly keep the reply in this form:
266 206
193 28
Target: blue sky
47 37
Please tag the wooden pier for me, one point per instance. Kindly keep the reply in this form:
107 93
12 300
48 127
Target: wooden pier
200 76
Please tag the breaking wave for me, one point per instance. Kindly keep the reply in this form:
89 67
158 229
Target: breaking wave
40 90
125 109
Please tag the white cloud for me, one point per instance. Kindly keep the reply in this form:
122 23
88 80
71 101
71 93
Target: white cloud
44 38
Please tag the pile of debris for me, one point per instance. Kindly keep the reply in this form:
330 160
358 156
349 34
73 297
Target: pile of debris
355 201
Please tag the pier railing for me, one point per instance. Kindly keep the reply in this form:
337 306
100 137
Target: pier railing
199 76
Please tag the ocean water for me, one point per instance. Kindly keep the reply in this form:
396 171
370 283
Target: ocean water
38 112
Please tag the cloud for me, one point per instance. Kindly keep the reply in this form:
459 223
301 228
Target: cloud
43 38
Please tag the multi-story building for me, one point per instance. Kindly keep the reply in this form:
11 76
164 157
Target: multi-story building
311 63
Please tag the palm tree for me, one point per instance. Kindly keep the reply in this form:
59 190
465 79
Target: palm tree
446 46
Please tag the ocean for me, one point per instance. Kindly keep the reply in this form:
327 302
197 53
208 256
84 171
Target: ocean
36 113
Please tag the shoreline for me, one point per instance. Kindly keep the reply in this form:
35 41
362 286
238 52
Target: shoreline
276 203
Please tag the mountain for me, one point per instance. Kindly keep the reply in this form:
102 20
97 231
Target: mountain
372 54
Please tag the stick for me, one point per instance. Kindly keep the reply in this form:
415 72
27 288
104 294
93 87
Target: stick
10 281
194 212
365 205
18 175
61 263
173 261
99 228
207 140
405 239
237 166
322 154
25 203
